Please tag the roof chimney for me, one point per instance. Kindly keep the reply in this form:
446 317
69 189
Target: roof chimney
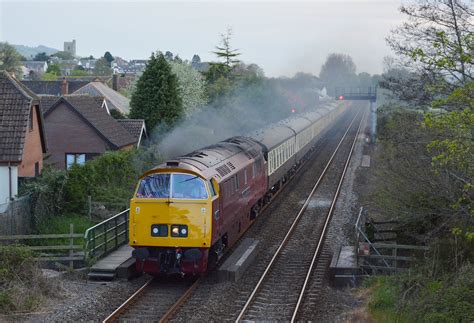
115 82
64 87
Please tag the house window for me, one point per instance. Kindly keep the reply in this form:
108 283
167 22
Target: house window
37 169
72 159
30 121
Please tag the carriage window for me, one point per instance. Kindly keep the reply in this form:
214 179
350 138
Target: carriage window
155 186
187 186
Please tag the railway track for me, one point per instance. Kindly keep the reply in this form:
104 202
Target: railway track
296 264
156 301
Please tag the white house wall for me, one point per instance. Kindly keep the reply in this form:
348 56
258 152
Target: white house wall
5 185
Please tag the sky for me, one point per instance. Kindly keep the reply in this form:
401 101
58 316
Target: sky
282 37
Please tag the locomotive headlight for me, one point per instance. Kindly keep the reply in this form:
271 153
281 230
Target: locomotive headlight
179 230
175 231
159 230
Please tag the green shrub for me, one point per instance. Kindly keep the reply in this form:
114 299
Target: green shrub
416 297
22 285
109 179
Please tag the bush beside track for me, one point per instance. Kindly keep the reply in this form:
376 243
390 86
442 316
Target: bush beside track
22 285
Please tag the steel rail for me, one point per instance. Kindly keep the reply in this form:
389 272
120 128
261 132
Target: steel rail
174 308
326 223
122 308
139 293
295 222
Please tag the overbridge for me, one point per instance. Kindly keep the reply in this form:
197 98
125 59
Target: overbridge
366 94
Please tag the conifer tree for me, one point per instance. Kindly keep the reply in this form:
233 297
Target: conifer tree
157 98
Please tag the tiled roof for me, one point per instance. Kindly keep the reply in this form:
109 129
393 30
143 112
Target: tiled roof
15 106
47 101
114 99
133 126
53 87
90 108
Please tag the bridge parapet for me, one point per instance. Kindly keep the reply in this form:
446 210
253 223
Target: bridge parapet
356 93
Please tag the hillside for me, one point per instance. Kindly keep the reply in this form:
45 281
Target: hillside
29 52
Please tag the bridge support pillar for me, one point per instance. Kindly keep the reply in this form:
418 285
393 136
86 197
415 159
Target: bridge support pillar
373 120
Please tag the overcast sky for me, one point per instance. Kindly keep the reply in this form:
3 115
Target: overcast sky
281 37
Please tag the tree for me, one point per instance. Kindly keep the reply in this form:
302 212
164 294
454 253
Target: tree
338 71
157 97
196 61
49 77
225 51
437 42
64 55
116 114
436 47
191 85
41 57
102 67
54 69
108 57
79 72
169 55
10 59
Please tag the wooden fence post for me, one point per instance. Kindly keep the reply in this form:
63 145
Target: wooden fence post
71 246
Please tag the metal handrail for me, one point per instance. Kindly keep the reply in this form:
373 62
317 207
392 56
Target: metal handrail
103 238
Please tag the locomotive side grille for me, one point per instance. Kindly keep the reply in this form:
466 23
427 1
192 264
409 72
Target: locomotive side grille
223 170
231 165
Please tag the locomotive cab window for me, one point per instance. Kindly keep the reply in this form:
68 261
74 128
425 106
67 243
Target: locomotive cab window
154 186
185 186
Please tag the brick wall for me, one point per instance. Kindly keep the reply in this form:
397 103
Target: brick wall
32 150
67 132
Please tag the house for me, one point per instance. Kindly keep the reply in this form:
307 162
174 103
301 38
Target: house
58 88
79 128
30 68
22 135
115 100
136 127
87 63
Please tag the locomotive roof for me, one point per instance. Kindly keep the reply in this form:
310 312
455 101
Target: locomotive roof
219 160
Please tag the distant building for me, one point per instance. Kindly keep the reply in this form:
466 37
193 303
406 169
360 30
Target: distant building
135 66
33 67
115 100
22 135
61 87
87 63
70 47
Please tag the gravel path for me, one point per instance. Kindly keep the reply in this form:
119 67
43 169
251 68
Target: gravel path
80 300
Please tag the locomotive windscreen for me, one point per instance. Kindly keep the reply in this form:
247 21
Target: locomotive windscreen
176 185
